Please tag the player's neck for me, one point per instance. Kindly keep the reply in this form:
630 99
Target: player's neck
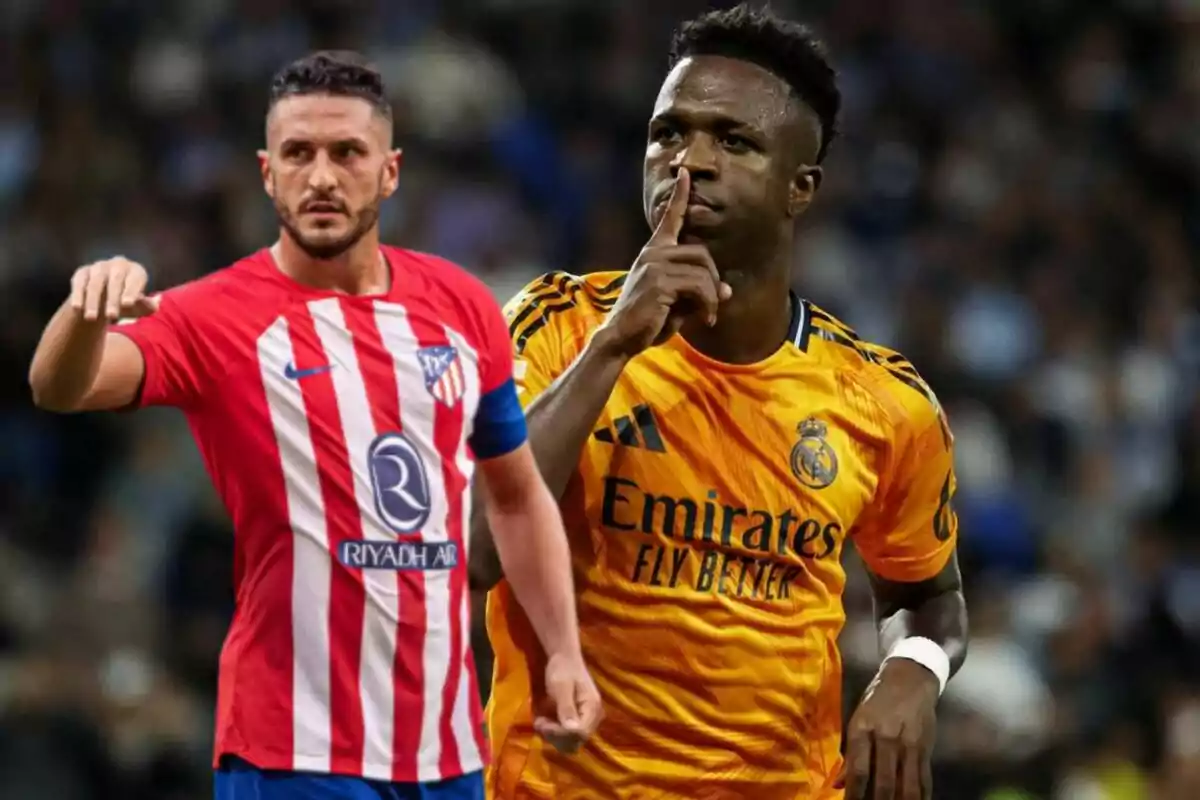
361 270
753 323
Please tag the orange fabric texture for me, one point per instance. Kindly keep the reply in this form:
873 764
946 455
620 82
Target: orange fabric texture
707 522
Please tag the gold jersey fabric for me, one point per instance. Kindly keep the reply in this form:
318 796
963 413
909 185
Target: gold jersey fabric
707 522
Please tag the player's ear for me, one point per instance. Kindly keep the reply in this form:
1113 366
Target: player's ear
391 171
264 167
803 189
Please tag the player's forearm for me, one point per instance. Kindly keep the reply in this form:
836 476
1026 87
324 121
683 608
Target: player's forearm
941 618
562 418
533 553
934 609
67 360
560 421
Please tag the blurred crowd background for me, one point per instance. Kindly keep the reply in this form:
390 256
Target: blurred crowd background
1014 205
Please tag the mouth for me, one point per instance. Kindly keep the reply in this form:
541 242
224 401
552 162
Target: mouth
322 208
701 213
696 202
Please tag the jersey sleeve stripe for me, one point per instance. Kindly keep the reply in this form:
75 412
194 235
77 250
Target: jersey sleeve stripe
917 384
838 336
535 304
520 336
552 286
910 381
896 366
537 310
557 285
845 330
613 287
605 304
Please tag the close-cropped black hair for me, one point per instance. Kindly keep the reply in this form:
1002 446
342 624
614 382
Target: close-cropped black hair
336 72
787 49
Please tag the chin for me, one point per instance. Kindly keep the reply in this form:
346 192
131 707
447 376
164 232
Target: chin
699 234
331 229
324 242
324 247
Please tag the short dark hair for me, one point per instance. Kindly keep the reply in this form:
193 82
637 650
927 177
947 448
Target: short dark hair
788 49
336 72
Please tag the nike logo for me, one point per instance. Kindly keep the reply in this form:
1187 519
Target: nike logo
292 374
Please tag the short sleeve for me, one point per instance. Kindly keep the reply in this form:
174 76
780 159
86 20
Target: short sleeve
525 338
497 355
173 371
538 352
911 531
499 421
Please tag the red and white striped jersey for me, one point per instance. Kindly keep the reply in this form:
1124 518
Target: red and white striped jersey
341 434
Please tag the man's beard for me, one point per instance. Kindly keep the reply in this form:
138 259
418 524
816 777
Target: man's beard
327 249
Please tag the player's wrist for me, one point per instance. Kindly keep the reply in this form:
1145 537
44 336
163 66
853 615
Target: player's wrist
567 653
925 653
607 345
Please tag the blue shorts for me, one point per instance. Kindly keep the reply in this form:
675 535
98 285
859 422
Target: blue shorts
238 780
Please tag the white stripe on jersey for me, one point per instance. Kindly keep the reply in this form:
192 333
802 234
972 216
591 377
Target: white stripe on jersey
460 722
377 661
310 558
418 420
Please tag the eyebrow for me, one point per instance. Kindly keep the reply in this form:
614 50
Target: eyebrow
357 141
710 119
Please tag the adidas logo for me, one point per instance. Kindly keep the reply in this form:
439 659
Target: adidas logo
628 428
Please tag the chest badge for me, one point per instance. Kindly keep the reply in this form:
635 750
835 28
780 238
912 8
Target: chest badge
444 376
814 462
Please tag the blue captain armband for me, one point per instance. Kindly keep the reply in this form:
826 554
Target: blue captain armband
499 423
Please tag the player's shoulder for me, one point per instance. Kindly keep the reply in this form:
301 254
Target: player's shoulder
246 283
438 273
562 304
883 373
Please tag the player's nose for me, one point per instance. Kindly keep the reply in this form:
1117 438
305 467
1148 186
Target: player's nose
321 177
698 156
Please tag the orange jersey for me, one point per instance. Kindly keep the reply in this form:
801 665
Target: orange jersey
706 524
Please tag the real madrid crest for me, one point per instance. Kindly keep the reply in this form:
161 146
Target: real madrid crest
814 462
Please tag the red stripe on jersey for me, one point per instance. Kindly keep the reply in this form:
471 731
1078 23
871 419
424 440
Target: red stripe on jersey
451 762
342 516
448 431
379 377
256 629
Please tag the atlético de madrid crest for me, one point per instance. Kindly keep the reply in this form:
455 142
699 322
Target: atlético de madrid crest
444 376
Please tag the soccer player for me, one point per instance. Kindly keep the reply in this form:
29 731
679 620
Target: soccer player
716 442
341 393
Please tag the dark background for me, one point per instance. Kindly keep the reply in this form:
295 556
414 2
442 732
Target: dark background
1014 206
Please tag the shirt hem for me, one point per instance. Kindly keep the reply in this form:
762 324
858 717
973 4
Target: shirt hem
275 761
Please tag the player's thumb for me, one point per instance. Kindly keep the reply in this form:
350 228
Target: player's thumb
565 706
671 223
147 305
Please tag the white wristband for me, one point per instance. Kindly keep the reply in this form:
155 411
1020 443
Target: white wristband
927 653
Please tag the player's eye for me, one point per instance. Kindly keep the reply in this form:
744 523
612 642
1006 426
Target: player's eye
343 151
663 134
297 152
736 144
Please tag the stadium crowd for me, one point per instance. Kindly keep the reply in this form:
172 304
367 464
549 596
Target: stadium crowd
1013 205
